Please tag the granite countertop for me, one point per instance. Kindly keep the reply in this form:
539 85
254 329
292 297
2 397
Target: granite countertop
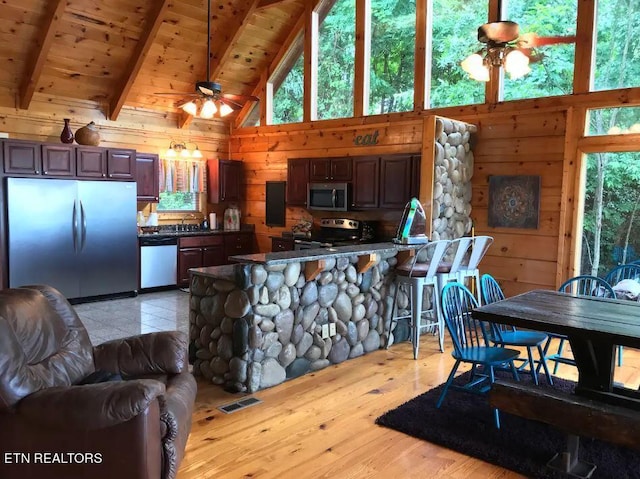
173 234
284 257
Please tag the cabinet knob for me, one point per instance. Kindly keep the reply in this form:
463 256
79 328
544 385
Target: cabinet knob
37 172
103 175
45 172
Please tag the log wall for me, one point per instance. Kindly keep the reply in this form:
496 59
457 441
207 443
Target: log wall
526 143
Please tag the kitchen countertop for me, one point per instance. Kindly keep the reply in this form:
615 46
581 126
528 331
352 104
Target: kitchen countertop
181 234
284 257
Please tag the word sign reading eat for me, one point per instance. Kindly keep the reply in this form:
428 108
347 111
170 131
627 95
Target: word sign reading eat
368 139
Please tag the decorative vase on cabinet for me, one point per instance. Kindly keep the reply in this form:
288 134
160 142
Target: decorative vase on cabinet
66 136
88 135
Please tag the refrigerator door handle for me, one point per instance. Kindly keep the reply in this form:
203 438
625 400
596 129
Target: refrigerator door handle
74 227
83 231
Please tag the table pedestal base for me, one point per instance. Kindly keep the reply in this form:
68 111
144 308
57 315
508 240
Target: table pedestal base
569 463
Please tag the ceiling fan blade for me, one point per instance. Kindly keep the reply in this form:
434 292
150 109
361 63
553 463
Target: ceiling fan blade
499 32
194 95
233 97
532 40
231 103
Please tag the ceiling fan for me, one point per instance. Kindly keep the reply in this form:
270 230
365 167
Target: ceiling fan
504 46
208 99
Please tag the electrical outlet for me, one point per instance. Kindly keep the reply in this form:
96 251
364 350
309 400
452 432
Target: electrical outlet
332 329
325 331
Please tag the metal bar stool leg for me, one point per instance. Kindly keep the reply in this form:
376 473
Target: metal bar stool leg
394 308
416 314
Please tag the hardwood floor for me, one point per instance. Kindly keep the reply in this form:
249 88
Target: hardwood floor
322 425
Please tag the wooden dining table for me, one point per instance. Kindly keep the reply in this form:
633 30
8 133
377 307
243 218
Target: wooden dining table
594 326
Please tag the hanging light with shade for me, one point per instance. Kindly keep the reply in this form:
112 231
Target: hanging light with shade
179 149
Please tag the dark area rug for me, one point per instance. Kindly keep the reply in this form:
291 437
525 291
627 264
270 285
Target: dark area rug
465 424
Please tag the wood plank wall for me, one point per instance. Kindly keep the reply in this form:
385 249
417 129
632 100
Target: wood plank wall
524 143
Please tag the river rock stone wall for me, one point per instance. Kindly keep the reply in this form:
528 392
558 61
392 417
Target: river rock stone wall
265 326
452 179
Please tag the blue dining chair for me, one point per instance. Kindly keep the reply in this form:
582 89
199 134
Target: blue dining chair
470 345
623 271
583 285
504 335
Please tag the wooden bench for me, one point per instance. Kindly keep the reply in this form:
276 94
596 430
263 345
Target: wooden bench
572 414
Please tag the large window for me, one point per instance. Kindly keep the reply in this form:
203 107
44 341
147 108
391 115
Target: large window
454 34
336 61
611 220
288 99
553 75
617 59
392 55
614 121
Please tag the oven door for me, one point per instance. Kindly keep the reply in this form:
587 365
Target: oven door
328 196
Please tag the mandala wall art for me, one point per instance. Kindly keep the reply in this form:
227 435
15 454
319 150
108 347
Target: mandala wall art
514 201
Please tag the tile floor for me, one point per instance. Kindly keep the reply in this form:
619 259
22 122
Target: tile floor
146 313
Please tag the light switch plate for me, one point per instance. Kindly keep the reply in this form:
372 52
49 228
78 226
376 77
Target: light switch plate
332 329
325 331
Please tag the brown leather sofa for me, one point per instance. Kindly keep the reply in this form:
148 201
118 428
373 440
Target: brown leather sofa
133 425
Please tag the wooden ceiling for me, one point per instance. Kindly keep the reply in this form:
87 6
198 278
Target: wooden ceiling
118 53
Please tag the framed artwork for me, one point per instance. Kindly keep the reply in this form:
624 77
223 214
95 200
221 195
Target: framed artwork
514 201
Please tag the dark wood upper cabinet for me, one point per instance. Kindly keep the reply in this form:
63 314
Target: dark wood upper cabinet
91 162
366 182
148 177
22 157
58 160
395 181
330 169
297 179
224 180
121 164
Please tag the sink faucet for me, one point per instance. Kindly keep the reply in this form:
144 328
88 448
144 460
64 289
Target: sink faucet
184 218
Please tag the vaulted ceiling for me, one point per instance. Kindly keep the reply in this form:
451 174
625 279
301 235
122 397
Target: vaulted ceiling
118 53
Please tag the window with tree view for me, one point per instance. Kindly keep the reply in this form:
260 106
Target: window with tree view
288 96
617 58
178 201
336 61
553 73
454 37
392 55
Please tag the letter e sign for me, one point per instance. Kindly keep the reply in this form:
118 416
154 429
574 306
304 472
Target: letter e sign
365 140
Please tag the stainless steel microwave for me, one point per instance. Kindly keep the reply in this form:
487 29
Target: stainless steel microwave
328 196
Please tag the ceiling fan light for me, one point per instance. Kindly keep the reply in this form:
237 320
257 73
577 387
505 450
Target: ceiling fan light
191 108
516 64
472 63
208 109
225 109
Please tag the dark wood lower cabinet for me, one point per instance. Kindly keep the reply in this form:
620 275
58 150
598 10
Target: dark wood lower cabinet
282 244
210 250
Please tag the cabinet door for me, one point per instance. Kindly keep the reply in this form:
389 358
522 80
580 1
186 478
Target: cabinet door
213 256
237 244
58 160
188 258
366 181
121 164
297 180
319 169
147 177
22 157
341 169
230 174
91 162
395 181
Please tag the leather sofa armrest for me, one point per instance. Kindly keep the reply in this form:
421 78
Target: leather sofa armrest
91 406
154 353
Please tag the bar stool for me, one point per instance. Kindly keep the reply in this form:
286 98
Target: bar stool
469 269
449 269
418 273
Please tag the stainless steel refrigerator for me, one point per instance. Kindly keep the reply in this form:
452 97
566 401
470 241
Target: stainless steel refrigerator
77 236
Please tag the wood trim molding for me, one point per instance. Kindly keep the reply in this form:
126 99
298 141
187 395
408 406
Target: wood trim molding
40 51
310 108
427 169
585 28
154 22
424 14
363 56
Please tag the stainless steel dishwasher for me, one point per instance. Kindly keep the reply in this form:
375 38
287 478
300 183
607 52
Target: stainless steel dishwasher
158 261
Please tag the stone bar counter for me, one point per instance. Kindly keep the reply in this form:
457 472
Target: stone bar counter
259 322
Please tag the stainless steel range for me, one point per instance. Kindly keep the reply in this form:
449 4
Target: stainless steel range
337 232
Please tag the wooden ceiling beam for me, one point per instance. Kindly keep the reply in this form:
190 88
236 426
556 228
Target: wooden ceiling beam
184 119
268 3
154 22
53 17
